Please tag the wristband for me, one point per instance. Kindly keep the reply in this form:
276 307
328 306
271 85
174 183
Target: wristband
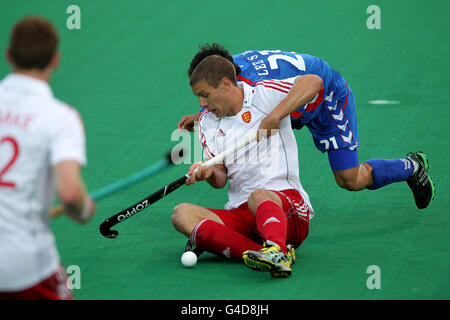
86 213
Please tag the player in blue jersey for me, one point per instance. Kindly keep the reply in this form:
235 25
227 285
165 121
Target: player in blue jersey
326 105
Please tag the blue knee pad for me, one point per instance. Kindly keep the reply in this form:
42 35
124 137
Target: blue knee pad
343 159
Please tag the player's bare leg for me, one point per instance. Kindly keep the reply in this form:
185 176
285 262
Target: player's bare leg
207 232
259 195
354 179
186 216
377 173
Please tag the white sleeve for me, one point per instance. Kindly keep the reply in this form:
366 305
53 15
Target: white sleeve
272 92
206 134
68 141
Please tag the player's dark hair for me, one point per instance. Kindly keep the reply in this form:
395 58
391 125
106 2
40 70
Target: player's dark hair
33 43
212 70
207 50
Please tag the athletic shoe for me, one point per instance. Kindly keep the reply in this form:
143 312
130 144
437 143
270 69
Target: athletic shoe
190 247
291 253
420 182
270 258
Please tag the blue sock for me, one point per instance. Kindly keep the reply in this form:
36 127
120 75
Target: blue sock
386 171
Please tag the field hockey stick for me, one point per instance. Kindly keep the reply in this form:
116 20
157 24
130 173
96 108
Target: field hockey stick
105 227
126 182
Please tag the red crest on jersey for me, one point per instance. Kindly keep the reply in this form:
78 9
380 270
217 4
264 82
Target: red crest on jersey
247 117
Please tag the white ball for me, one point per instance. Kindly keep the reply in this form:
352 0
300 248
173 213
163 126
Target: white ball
189 259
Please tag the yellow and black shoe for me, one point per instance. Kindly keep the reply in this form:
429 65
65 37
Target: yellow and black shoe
291 253
271 258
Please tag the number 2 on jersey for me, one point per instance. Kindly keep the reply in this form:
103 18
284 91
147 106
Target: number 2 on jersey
297 62
9 164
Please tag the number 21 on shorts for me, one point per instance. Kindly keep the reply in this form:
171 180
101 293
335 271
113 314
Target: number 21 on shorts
327 143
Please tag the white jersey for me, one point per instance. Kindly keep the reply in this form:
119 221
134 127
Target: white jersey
271 164
36 132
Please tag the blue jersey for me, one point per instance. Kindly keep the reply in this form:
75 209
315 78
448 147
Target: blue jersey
331 123
275 64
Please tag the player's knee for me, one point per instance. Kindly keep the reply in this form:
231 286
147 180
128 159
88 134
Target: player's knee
348 183
180 214
256 197
355 179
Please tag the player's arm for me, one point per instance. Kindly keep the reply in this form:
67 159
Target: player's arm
216 176
72 191
304 89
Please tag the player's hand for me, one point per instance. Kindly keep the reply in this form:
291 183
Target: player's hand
93 207
59 210
198 172
269 125
187 122
56 211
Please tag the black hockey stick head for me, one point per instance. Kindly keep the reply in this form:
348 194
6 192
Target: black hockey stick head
105 227
176 154
106 231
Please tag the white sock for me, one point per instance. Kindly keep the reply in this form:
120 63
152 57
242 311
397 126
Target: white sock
415 164
271 243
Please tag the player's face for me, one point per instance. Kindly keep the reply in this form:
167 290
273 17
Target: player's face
214 99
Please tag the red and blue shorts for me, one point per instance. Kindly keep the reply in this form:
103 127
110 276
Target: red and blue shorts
332 122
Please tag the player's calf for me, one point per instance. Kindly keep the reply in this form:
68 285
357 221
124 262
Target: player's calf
354 179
